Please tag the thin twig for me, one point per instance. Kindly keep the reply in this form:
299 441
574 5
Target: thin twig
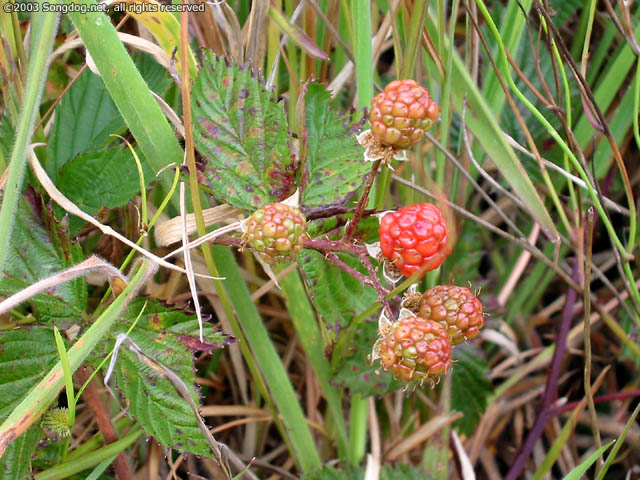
587 334
351 226
92 396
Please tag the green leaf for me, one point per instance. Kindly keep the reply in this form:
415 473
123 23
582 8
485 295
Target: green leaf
578 472
462 265
18 374
6 139
154 74
336 295
18 371
83 121
40 246
356 371
167 335
242 132
103 178
15 463
470 386
335 167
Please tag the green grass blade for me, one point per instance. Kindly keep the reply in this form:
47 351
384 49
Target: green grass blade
618 443
362 50
486 129
305 323
556 447
512 26
128 90
578 472
43 29
92 459
269 363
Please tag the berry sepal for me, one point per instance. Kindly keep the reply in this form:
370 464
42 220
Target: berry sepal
374 150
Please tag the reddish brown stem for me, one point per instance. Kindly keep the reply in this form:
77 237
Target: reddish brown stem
92 397
362 203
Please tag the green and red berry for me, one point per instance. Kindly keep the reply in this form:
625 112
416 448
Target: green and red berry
414 349
414 238
277 232
402 113
457 309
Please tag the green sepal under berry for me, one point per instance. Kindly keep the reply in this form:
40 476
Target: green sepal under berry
241 131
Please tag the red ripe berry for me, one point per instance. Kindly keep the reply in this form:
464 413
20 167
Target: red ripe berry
456 309
402 113
414 349
277 232
413 237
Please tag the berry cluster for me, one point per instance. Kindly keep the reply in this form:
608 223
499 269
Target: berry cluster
417 346
414 349
402 113
456 309
414 238
277 232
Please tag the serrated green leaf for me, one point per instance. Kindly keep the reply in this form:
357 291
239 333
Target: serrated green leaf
18 374
335 167
358 374
84 119
462 265
242 132
336 295
167 335
102 178
18 371
470 386
39 247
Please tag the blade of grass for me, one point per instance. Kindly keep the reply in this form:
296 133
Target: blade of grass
65 470
43 29
578 472
618 445
305 324
276 378
258 349
68 382
363 53
593 194
140 111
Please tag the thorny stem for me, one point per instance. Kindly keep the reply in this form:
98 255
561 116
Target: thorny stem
371 281
329 249
351 226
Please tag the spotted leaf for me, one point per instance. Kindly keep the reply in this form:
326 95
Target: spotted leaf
241 131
